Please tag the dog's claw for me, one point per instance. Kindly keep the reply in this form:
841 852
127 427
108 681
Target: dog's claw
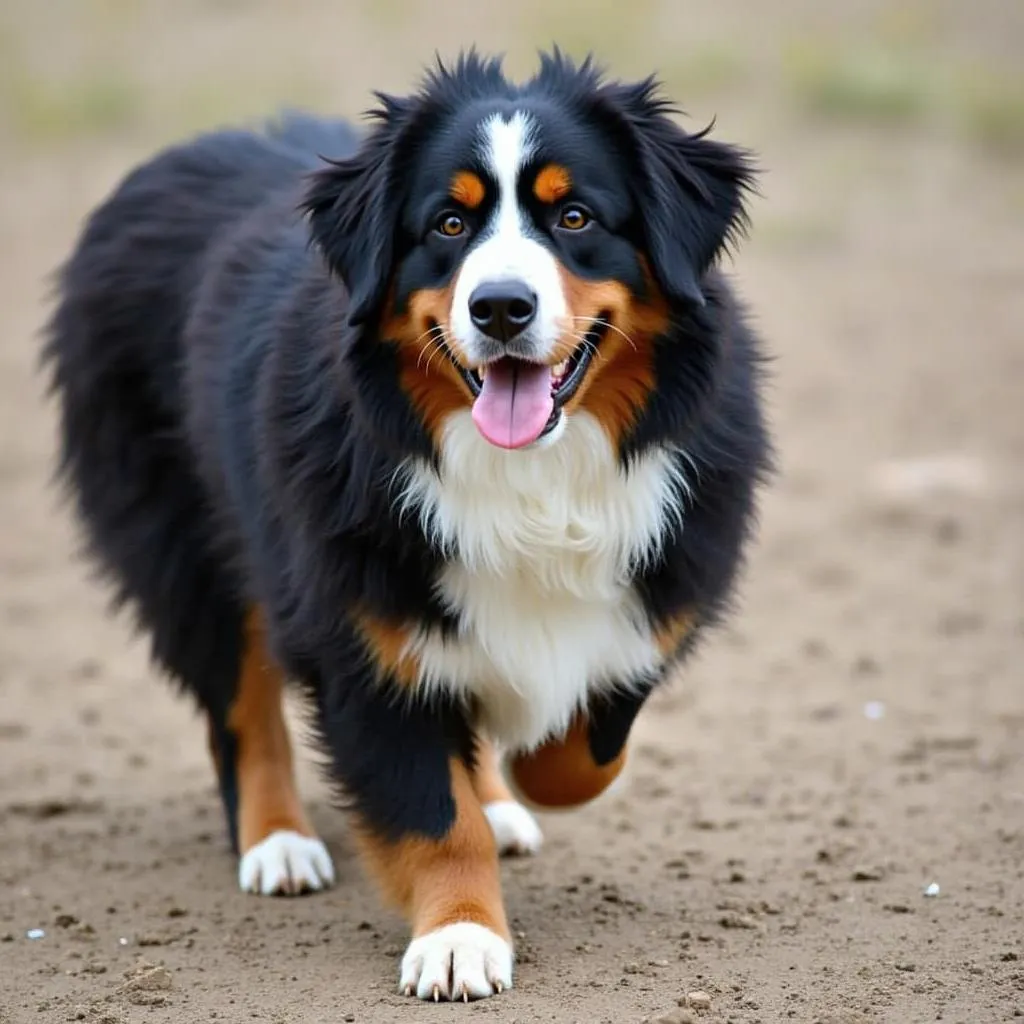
462 961
498 987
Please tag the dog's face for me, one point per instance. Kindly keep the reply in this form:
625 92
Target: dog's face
524 251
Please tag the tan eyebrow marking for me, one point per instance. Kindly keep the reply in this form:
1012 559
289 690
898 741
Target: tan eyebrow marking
554 182
467 188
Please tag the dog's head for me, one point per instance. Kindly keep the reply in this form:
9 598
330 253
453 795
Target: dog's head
524 250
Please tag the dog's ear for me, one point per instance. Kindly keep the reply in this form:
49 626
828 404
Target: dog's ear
353 209
691 188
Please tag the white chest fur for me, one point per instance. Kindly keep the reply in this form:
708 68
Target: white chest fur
543 545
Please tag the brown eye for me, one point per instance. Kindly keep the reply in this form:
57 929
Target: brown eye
574 218
452 225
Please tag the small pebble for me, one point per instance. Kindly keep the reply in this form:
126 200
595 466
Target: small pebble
874 709
35 933
675 1017
698 1000
932 889
868 874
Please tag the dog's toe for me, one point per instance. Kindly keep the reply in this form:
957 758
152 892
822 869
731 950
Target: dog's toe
461 961
286 864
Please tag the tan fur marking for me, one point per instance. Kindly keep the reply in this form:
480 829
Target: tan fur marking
268 800
671 635
387 643
441 882
621 377
488 782
562 772
554 182
426 373
467 188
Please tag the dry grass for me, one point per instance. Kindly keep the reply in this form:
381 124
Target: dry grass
863 83
907 84
899 70
707 72
797 233
989 108
95 102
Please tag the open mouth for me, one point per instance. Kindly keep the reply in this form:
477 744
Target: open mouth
516 401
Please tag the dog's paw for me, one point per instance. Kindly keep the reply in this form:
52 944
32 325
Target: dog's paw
515 828
460 961
286 864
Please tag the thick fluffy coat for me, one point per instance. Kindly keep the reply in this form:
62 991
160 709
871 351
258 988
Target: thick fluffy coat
456 425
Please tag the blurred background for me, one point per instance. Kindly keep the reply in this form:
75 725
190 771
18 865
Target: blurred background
852 738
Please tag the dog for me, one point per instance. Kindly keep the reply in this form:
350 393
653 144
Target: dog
455 424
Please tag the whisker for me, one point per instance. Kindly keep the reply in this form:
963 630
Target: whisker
436 331
618 330
426 350
436 343
429 350
434 349
437 351
611 327
440 342
435 336
584 341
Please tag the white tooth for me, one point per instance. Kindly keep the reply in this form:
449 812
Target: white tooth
482 372
561 368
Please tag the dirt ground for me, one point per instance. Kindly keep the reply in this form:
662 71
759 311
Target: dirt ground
854 737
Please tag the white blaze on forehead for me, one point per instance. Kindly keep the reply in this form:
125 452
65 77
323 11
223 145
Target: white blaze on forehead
506 146
507 250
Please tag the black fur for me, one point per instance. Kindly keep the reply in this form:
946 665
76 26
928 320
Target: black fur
224 745
231 424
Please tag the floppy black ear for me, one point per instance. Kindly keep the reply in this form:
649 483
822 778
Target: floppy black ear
352 206
692 189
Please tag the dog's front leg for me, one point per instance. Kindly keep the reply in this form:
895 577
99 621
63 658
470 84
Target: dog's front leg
450 890
423 834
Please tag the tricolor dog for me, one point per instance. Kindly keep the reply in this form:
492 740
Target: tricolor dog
455 425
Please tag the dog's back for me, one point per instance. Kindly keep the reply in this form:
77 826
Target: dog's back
114 352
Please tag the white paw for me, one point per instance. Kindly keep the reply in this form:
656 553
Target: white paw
514 827
460 961
286 863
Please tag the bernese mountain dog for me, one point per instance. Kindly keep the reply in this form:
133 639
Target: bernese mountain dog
456 425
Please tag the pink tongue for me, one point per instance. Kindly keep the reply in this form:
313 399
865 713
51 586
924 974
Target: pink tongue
514 404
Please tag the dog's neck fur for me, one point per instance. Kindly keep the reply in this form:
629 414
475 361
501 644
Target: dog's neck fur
542 549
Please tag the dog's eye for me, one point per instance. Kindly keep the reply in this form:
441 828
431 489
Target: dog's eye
574 218
451 225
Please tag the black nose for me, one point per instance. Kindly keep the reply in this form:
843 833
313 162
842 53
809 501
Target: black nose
501 309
